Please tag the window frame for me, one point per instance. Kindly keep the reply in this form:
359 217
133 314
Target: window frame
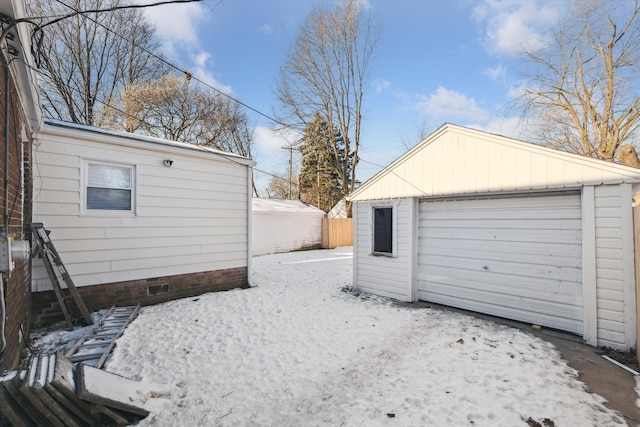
393 233
85 188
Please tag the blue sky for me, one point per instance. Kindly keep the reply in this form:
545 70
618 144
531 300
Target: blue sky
436 61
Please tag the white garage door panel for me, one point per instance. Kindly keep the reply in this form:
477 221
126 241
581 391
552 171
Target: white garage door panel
512 268
549 250
506 235
493 255
505 284
519 258
563 323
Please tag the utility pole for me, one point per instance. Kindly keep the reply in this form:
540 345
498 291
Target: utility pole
290 148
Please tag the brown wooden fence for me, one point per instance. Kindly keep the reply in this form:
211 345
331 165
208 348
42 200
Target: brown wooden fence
337 232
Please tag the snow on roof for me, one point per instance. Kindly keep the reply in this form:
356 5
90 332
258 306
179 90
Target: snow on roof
283 206
144 138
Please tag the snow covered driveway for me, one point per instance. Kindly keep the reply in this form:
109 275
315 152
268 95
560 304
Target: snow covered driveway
297 351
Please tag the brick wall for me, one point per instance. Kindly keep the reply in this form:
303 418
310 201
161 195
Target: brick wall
17 288
46 309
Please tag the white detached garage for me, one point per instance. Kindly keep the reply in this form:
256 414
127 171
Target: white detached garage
284 226
498 226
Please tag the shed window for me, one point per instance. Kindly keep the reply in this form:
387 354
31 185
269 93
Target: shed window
109 187
383 230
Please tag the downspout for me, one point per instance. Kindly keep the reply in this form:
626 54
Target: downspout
5 214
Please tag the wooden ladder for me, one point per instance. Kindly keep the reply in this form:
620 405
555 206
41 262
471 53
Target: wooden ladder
96 344
51 258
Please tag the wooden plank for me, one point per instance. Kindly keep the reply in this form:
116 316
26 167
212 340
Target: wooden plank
63 379
11 409
13 388
121 419
72 406
37 388
27 391
104 388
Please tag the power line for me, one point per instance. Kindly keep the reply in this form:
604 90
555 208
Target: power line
222 155
76 12
175 67
112 9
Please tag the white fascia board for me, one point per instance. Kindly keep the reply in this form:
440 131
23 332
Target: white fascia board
94 134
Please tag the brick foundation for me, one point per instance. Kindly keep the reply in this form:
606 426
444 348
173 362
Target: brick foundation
46 310
18 304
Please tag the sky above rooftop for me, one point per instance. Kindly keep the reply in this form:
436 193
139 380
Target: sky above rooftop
436 62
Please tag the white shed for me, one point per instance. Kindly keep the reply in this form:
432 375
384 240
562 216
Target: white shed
139 219
494 225
285 226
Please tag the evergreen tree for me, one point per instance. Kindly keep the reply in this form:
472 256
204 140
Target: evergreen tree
320 185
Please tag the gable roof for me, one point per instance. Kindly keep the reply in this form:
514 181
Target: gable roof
455 160
262 205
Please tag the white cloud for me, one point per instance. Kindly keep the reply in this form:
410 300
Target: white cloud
380 85
267 30
497 73
518 91
511 127
177 22
200 70
270 142
176 26
450 105
512 26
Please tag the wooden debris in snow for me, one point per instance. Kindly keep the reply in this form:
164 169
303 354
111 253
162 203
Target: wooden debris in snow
54 392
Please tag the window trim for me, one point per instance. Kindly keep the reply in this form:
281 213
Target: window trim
85 185
394 229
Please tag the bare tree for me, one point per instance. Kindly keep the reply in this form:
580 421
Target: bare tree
278 187
583 90
90 57
174 108
326 72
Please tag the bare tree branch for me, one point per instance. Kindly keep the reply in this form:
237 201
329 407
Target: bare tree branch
584 89
325 72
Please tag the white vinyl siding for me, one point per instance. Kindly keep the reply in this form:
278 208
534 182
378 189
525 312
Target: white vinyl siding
275 233
609 266
518 258
190 217
456 160
384 275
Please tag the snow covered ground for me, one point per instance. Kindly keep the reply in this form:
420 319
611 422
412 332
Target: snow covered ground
297 351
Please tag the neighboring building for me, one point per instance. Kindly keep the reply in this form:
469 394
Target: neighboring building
138 219
339 210
494 225
285 226
19 115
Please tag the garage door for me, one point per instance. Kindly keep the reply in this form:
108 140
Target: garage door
517 257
